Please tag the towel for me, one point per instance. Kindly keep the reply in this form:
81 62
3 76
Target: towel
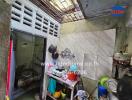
52 86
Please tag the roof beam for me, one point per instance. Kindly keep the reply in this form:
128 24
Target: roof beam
53 13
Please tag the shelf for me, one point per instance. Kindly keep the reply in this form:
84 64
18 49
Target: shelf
71 84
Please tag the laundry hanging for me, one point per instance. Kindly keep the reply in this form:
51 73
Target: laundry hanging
52 86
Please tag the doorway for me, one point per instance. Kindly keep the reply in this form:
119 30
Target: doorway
29 52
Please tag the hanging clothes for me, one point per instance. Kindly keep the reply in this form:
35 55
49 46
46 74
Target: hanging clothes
52 86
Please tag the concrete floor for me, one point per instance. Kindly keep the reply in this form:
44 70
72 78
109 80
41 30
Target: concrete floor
28 96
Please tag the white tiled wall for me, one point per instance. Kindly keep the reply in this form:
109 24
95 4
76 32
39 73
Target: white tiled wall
98 43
